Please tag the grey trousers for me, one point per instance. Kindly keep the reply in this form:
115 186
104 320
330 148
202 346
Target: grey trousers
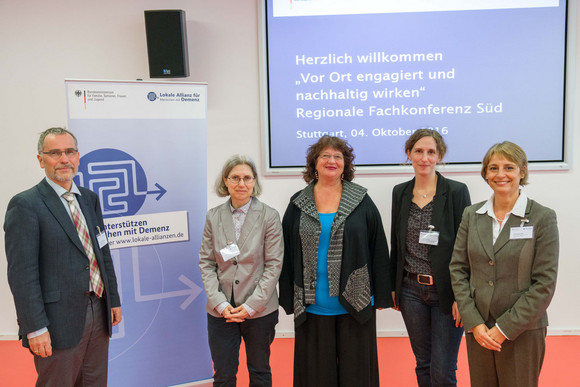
86 364
517 365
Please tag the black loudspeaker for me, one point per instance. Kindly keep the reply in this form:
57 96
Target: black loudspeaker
166 43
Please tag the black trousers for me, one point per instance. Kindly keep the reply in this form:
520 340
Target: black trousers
336 351
224 344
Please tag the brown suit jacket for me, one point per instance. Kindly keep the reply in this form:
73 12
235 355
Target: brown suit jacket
511 282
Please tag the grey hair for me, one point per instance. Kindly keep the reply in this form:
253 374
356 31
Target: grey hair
56 132
220 185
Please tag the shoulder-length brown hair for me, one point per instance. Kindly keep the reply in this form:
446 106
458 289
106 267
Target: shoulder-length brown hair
309 173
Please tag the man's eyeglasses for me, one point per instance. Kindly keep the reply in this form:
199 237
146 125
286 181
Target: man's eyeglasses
246 179
56 154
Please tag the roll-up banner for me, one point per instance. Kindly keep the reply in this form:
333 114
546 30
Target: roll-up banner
143 151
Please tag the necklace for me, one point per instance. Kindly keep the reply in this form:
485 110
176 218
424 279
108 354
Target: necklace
428 193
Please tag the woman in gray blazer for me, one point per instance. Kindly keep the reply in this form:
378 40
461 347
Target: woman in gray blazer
503 273
240 260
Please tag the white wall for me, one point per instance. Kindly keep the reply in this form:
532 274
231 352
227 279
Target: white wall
44 42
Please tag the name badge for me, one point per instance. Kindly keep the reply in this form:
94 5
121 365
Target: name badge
102 239
526 232
429 238
230 251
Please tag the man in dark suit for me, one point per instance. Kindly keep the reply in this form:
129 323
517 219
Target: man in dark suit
60 270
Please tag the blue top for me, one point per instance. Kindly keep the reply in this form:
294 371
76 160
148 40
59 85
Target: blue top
324 304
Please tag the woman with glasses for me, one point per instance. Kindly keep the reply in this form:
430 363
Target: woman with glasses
426 213
336 272
240 260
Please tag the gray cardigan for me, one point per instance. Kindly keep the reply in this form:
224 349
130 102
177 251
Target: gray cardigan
364 255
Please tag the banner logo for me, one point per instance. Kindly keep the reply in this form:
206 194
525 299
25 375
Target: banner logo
151 96
118 179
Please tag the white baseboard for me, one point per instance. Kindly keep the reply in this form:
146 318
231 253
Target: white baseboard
556 331
9 337
394 333
563 332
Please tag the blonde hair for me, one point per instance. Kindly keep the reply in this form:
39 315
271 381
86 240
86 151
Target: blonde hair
511 152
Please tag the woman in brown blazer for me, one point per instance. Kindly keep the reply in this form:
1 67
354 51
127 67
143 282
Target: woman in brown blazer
503 273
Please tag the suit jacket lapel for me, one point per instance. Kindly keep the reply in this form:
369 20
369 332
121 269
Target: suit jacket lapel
439 202
406 199
56 207
227 223
504 235
485 231
251 221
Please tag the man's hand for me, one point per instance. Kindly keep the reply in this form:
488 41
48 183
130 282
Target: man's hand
116 315
40 345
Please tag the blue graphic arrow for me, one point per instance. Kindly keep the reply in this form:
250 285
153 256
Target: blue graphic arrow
161 191
191 291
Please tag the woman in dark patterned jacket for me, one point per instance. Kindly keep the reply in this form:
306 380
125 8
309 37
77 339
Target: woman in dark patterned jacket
426 214
335 272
